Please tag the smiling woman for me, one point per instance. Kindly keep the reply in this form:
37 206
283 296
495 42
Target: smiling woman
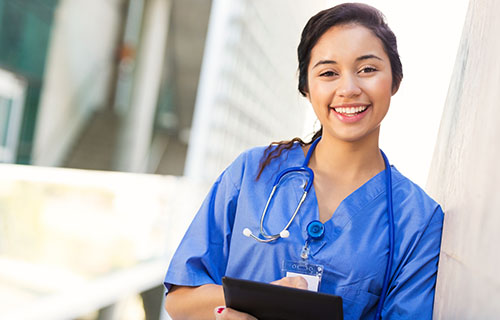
350 83
381 233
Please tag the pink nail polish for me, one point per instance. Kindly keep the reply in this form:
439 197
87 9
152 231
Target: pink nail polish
220 309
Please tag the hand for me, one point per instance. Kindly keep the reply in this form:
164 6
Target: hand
293 282
223 313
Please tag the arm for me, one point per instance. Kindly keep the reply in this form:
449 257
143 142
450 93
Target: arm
200 302
411 293
194 276
201 256
194 302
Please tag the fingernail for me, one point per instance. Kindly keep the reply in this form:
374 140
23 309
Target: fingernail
220 309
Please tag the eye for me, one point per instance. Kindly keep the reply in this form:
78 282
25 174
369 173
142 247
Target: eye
367 70
328 74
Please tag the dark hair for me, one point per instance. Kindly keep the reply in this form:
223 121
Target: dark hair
346 13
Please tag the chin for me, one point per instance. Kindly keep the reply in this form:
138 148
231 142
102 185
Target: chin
355 137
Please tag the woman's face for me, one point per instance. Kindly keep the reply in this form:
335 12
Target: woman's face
349 83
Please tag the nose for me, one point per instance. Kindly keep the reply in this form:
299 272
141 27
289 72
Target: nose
348 87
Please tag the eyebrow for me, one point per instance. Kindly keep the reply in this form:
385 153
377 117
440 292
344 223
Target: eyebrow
368 56
365 57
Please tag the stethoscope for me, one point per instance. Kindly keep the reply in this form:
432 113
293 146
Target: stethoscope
315 229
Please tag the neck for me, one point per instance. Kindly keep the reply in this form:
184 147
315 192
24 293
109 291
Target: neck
348 160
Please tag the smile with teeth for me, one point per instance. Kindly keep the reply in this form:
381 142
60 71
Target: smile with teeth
350 111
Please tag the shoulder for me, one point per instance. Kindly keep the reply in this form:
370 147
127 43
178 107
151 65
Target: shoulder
247 164
257 153
412 203
247 160
245 168
418 223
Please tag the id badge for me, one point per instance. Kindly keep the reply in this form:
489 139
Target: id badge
311 272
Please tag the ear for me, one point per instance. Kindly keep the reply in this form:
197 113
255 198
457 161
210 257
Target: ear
395 89
307 95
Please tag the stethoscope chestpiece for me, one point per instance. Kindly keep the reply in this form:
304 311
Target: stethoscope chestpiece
315 230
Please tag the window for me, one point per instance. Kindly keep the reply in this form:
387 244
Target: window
12 94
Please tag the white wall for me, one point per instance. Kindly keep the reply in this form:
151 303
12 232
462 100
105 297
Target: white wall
465 176
76 79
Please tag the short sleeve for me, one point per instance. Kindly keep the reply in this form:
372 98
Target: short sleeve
411 294
202 255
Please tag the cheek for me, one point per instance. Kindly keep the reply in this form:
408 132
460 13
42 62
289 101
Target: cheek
320 90
382 89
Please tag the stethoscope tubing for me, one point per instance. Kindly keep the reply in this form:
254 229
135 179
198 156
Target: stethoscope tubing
284 233
390 214
278 235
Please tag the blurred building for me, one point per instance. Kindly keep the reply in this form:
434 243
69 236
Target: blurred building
144 86
181 87
25 29
12 94
76 241
248 88
116 85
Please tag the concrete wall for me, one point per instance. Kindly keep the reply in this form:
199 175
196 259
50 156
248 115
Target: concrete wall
79 64
465 176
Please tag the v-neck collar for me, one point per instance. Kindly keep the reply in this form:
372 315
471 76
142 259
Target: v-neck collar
351 206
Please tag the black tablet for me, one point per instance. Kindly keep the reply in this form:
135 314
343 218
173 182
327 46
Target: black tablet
272 302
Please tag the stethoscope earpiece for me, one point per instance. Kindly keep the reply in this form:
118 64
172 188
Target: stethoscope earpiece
285 234
247 232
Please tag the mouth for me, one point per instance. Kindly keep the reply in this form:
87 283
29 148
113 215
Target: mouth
350 113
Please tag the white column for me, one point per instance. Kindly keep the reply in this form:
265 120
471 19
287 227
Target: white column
76 79
136 133
207 89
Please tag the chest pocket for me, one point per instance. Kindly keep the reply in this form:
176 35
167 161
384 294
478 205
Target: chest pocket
358 304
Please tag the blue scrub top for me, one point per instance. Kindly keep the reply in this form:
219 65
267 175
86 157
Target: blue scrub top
353 252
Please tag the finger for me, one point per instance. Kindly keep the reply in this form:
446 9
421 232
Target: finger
300 282
294 282
222 313
236 315
218 312
286 282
